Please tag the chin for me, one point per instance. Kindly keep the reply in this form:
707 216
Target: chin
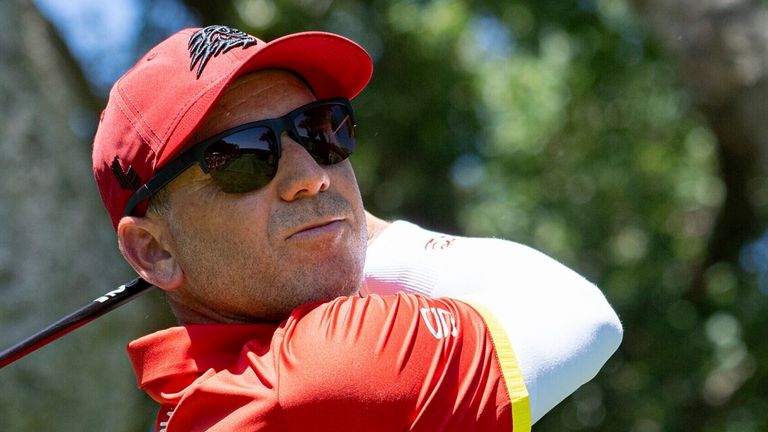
333 284
322 280
339 288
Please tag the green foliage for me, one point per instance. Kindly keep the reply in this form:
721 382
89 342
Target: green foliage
561 126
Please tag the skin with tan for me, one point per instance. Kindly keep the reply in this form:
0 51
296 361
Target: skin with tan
235 258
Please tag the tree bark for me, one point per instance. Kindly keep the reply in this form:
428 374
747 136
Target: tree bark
721 50
57 248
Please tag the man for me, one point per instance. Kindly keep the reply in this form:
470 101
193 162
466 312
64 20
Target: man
223 162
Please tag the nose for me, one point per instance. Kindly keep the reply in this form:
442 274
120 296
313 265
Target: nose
298 175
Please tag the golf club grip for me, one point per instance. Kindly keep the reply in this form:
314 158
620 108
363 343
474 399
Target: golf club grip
79 318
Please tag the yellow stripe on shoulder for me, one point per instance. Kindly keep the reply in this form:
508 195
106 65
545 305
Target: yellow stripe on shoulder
518 394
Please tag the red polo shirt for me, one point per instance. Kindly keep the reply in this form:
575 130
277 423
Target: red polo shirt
392 363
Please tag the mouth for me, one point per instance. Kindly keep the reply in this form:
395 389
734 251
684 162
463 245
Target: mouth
317 228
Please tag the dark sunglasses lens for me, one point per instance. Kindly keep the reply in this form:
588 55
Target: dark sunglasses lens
243 161
326 132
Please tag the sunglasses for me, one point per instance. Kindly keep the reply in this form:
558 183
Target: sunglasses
244 158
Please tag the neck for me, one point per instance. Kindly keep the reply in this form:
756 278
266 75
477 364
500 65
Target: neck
375 226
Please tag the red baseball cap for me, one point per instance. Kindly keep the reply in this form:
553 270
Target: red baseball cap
158 104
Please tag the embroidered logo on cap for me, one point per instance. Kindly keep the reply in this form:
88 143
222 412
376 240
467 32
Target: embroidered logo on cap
127 179
213 40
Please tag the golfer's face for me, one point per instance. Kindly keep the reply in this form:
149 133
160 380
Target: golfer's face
259 254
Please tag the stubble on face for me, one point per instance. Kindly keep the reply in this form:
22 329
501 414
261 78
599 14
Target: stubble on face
248 283
240 262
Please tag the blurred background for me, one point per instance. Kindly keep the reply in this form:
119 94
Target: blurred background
626 138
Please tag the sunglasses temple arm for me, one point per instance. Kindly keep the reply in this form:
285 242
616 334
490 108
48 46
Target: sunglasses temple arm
162 178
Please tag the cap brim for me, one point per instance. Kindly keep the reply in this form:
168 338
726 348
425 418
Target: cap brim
331 65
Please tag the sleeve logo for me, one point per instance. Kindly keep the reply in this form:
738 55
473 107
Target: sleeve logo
439 322
439 243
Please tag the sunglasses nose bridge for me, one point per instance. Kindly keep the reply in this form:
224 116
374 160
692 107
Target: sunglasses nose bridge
284 127
287 127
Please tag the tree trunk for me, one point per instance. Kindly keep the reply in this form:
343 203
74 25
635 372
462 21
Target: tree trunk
721 49
57 248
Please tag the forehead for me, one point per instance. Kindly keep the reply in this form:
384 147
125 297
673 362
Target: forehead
255 96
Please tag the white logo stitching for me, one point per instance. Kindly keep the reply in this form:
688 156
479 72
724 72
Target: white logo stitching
444 323
110 294
164 424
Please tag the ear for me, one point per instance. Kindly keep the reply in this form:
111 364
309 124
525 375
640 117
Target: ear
142 243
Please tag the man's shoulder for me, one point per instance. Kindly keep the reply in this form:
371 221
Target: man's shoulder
373 358
178 354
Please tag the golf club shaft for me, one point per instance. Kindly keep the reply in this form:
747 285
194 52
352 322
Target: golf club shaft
79 318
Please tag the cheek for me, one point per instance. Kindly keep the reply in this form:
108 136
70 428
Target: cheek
218 222
343 178
347 186
216 249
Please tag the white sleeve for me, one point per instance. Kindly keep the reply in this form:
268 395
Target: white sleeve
560 325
